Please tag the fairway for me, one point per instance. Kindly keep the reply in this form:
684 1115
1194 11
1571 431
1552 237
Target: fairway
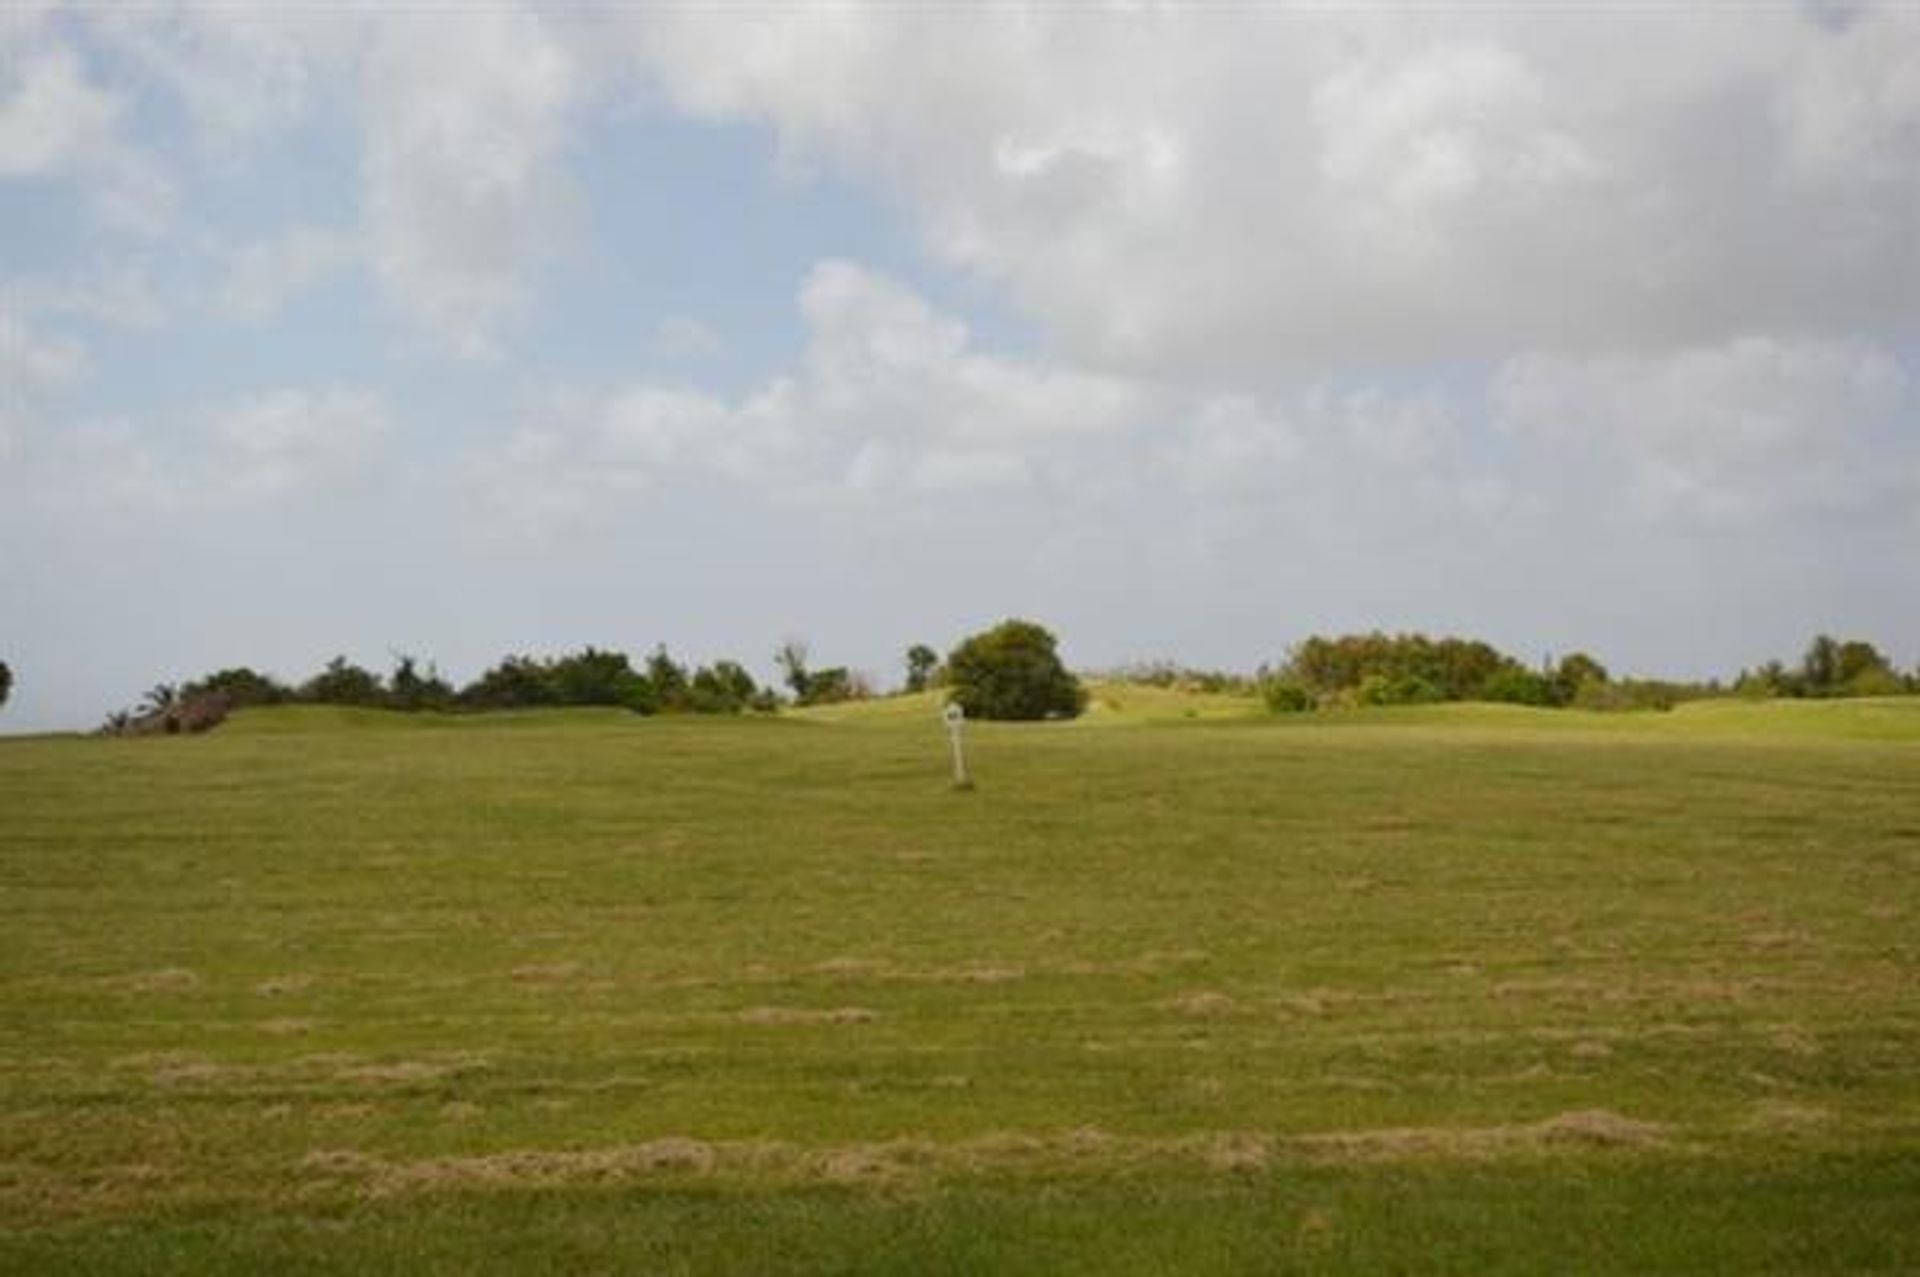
1178 987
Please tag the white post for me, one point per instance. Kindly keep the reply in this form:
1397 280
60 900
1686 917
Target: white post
955 717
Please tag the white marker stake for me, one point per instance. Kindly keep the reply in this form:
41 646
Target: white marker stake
955 716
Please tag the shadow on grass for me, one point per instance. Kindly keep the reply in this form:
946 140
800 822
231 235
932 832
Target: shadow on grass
1831 1214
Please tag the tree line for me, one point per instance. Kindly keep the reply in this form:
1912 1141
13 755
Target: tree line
1011 671
591 676
1414 669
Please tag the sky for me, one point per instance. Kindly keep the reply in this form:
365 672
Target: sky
1188 330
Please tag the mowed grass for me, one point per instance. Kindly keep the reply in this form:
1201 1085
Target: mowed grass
1460 989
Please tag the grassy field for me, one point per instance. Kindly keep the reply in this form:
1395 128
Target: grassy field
1177 988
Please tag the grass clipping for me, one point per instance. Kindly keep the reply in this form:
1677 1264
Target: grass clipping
1081 1151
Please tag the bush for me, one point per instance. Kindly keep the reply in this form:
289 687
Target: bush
1516 685
240 687
1013 671
1875 681
725 687
1286 696
1403 689
517 682
341 683
409 689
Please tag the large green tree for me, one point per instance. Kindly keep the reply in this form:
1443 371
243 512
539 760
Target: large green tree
1013 671
6 682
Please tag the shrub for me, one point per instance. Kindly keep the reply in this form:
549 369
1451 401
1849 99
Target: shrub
1286 696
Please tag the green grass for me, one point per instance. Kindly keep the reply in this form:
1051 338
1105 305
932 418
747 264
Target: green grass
1459 988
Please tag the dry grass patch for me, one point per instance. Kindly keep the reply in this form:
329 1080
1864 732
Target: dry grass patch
1202 1004
286 1026
807 1015
1775 1116
281 985
547 973
1588 1128
406 1072
165 980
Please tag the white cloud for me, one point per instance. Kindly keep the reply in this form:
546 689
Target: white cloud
288 438
685 339
465 123
32 362
263 276
1757 427
892 410
55 122
118 293
1235 193
1851 109
244 73
888 399
35 366
244 453
52 116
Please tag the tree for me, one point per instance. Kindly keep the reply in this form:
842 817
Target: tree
160 699
1518 685
668 678
1820 667
922 661
792 660
1572 673
832 685
6 682
1013 671
517 682
1863 671
409 689
724 687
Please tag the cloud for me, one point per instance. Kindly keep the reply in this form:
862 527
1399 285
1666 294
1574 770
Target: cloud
463 187
893 415
280 439
244 73
261 277
244 453
1756 428
685 339
1235 194
53 117
889 398
55 122
32 362
110 292
34 367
